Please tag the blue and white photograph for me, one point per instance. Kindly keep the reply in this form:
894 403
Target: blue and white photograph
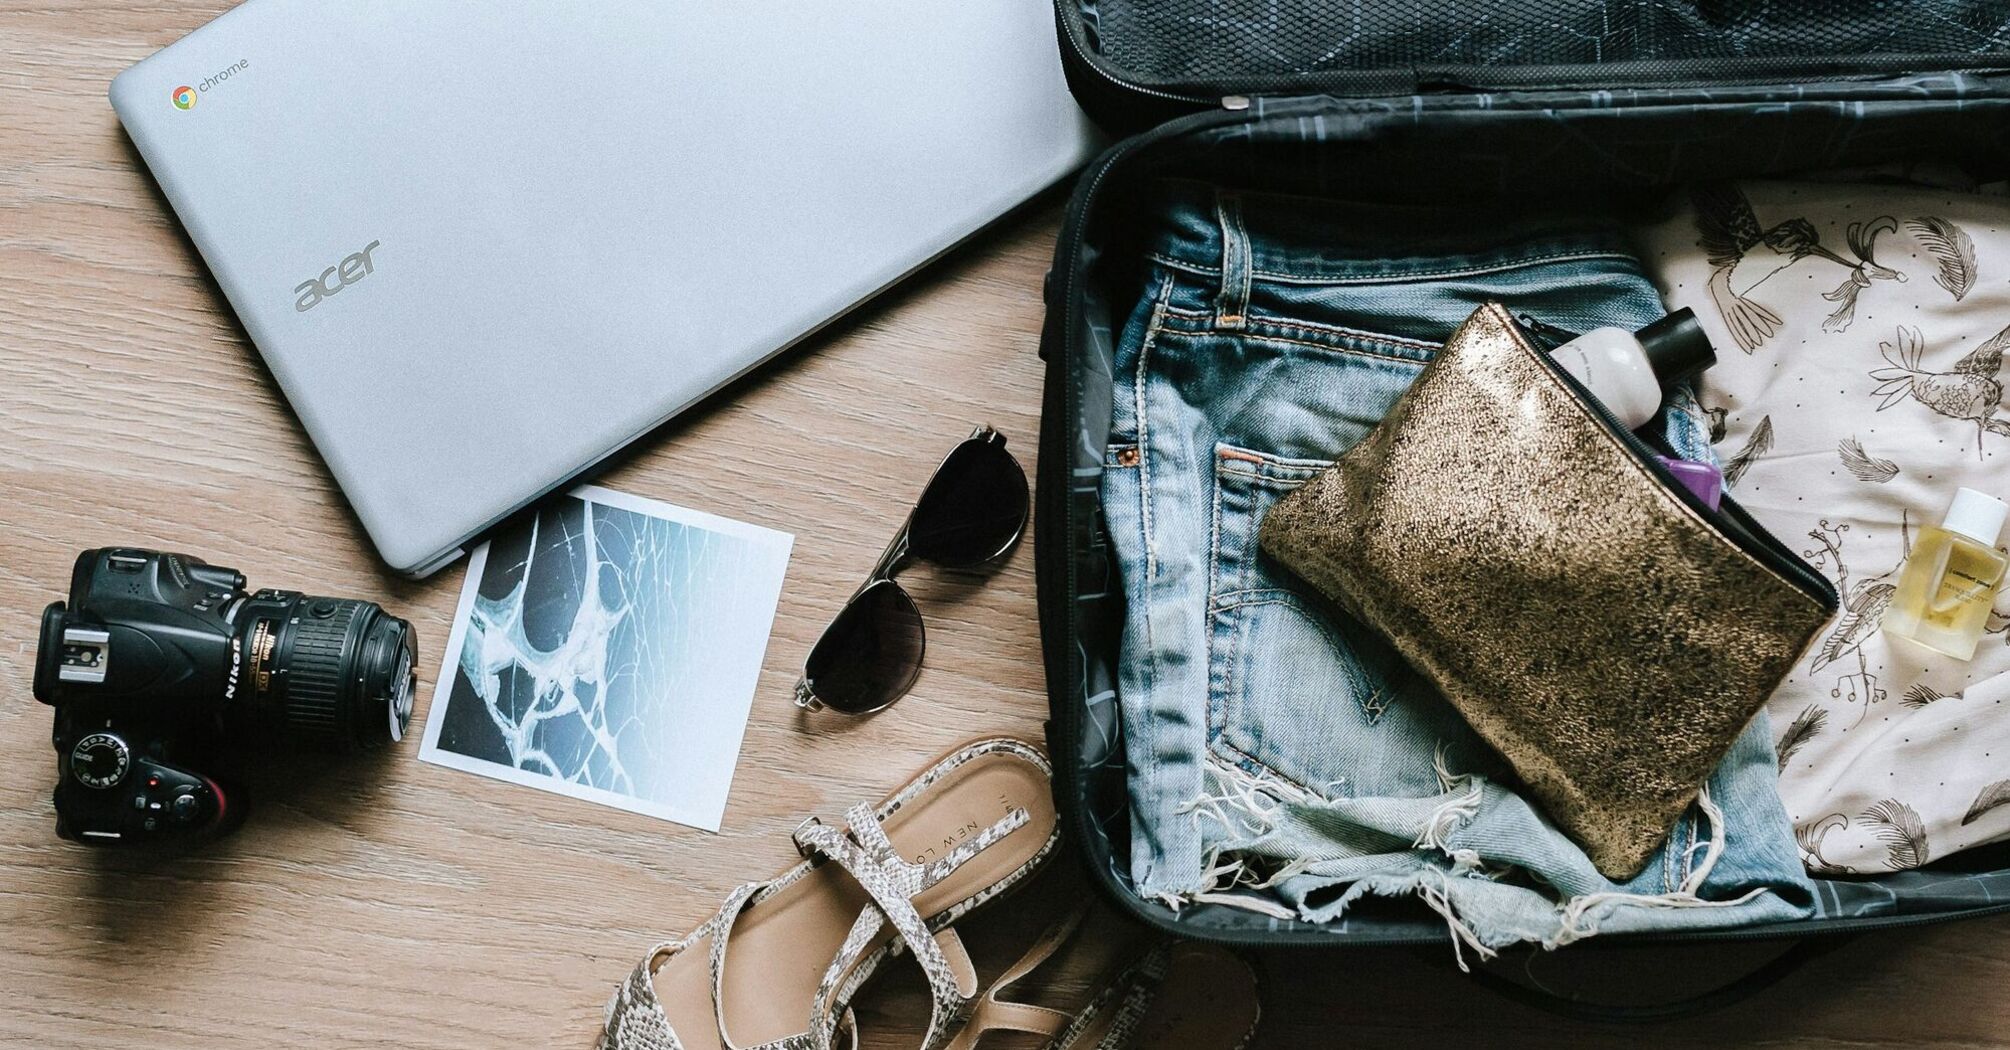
607 648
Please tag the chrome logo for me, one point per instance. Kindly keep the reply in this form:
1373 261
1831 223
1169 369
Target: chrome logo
184 97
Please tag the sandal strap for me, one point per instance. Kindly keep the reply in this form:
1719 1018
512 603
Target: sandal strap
845 1022
1131 995
994 1014
893 882
635 1019
721 927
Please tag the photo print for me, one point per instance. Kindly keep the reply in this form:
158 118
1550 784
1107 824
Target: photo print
606 648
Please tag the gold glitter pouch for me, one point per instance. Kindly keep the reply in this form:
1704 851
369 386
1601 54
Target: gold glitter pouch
1597 623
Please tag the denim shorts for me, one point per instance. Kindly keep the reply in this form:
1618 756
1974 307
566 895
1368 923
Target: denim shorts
1281 757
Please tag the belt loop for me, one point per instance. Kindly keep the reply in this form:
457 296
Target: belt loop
1233 302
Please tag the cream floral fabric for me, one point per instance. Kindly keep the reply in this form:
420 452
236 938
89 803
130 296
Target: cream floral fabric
1861 330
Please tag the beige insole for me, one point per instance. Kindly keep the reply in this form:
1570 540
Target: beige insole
781 947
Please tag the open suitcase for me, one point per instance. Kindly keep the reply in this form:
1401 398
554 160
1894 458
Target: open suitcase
1508 101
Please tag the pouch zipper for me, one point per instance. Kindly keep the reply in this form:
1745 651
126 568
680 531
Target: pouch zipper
1546 332
1768 550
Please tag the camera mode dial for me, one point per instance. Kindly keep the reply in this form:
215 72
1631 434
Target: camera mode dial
100 760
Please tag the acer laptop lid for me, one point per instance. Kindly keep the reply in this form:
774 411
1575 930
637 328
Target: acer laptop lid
484 245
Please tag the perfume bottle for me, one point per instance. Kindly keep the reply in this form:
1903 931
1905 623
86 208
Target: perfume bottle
1950 579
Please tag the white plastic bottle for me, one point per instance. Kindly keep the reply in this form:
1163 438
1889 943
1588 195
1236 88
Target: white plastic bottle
1628 371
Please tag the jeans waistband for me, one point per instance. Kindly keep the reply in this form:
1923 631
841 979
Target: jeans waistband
1243 237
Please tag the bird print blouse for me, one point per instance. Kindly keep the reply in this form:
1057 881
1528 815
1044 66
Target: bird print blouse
1861 327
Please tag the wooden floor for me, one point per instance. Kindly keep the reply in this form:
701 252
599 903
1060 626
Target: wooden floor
392 903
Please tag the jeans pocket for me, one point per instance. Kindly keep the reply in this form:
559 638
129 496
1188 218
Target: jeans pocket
1293 682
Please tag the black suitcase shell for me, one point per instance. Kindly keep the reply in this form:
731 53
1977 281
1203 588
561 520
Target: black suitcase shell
1507 103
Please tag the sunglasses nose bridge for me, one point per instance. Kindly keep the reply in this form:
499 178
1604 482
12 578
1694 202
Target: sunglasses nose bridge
898 555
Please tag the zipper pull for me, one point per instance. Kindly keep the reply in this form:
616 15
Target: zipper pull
1546 332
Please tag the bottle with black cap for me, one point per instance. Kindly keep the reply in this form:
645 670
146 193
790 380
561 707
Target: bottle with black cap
1629 371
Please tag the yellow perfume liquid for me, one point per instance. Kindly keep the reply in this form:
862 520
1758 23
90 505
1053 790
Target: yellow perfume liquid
1949 582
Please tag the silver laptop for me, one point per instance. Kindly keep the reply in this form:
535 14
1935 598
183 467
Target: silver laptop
483 245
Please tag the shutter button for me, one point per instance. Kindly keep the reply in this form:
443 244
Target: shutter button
185 808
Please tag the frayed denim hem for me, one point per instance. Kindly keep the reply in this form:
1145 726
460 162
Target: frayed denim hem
1486 903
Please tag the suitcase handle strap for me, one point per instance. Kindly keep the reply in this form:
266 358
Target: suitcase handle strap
1799 954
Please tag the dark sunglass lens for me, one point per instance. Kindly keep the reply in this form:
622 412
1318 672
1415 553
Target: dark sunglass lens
870 655
973 509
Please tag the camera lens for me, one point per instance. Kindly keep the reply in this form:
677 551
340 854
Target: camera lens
393 695
332 672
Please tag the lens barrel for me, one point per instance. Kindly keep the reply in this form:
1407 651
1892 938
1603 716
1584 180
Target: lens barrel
334 673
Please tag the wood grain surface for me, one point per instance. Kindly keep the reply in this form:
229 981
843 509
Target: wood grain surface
390 903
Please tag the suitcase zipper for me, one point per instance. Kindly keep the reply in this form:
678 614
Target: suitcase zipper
1071 31
1067 253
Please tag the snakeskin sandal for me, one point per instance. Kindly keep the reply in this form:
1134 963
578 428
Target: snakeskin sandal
1172 996
972 826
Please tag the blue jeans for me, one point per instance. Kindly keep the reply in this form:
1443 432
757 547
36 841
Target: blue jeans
1281 757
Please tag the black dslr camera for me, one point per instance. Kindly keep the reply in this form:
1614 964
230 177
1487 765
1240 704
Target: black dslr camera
159 660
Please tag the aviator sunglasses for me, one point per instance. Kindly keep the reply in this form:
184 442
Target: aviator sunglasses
972 513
